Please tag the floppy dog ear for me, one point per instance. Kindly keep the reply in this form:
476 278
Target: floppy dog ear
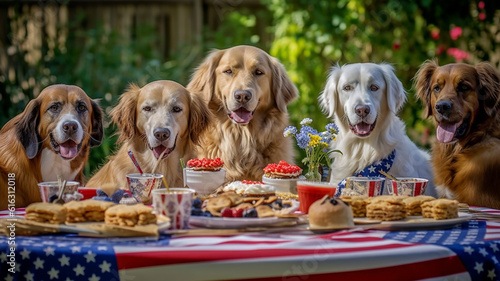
489 88
203 79
329 97
396 94
283 89
27 129
199 117
97 129
124 114
422 84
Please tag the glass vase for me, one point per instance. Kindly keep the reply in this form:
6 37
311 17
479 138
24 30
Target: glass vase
313 173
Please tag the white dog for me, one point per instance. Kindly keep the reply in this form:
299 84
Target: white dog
363 100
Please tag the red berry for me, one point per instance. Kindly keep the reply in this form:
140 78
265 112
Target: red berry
227 212
237 213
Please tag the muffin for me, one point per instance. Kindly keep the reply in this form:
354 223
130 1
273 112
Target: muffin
330 213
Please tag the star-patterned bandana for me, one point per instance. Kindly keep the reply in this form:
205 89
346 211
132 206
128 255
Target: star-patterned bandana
372 170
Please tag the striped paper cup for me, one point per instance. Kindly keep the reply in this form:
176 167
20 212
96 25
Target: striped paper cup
368 186
407 186
175 203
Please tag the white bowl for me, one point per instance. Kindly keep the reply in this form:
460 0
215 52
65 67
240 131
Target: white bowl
204 182
283 185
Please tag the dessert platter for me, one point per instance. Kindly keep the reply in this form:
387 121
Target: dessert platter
243 204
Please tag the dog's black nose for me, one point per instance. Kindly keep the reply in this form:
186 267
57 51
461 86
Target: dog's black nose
69 127
161 134
444 107
242 96
362 110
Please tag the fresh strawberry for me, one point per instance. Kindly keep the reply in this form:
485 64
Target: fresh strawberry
237 213
227 213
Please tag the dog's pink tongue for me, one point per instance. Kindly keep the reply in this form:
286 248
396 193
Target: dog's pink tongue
241 115
445 133
363 128
157 151
68 149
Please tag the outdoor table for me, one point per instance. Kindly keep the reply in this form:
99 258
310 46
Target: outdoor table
467 251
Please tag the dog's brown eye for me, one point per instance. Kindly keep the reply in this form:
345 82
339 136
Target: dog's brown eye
147 108
347 88
258 72
436 89
229 71
176 109
373 88
463 88
81 108
54 108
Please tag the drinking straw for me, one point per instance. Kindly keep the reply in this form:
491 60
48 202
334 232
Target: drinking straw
131 154
388 175
182 163
165 183
156 166
158 161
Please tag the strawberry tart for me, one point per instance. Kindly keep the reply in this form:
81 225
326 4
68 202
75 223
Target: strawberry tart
205 164
282 170
204 175
283 177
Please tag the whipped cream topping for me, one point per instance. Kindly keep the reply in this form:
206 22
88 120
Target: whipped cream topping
244 188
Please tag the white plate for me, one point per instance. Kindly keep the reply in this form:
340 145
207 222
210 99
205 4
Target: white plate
221 222
414 222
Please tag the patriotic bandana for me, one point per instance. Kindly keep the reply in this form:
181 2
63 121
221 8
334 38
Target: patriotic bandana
372 170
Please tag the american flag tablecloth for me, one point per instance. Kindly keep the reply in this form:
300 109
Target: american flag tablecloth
470 251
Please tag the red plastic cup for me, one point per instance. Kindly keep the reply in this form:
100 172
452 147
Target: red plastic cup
87 192
310 191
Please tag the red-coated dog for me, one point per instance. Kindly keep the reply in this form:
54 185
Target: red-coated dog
464 101
50 138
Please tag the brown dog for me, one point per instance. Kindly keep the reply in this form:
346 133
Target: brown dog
464 101
248 92
51 137
161 116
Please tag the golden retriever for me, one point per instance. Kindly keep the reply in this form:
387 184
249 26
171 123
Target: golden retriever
464 101
50 138
363 99
161 116
248 91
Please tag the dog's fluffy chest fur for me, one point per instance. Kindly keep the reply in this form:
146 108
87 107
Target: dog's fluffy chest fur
53 165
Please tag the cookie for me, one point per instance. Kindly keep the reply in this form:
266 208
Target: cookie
413 204
386 208
46 213
126 215
87 210
264 211
440 209
357 203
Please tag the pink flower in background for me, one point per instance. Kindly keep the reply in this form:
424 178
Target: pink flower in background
458 54
440 49
480 5
396 46
455 32
481 16
435 34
